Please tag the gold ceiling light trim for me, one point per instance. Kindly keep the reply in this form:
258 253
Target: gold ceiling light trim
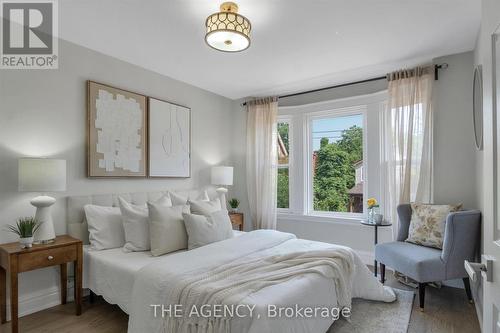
227 30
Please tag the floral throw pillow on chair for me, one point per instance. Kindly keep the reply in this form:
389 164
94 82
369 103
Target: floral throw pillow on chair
428 222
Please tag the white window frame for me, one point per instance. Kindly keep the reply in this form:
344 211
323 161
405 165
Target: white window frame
372 159
288 120
309 197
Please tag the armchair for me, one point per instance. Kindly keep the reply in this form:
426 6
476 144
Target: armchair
425 264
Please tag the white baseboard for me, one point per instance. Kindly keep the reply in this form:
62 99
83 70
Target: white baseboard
41 300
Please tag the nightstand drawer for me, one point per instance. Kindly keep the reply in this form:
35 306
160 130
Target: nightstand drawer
44 258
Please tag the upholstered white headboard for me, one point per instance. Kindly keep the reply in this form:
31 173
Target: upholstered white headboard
77 224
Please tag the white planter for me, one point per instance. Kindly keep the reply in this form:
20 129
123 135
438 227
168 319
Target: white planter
26 242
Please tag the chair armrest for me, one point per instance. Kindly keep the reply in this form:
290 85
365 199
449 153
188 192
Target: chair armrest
461 240
404 218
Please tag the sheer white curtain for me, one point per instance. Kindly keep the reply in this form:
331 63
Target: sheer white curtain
261 161
408 140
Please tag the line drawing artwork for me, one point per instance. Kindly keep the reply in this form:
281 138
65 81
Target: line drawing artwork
169 140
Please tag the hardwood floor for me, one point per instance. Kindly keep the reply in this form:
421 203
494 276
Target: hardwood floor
446 310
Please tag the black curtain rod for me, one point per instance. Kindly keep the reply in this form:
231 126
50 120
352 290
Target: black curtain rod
436 77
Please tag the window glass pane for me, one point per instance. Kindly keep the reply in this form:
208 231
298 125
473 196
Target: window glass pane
337 164
283 188
283 144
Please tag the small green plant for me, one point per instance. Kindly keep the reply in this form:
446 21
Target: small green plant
234 203
25 227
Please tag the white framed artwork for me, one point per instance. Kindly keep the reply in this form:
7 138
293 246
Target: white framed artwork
169 139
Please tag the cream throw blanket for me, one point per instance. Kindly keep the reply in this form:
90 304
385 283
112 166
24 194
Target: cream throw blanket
232 282
260 268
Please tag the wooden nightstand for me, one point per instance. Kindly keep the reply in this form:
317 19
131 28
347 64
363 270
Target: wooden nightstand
237 220
15 260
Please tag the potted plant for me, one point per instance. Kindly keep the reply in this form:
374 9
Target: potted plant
234 203
25 227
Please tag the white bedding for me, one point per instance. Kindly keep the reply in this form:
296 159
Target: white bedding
306 290
111 273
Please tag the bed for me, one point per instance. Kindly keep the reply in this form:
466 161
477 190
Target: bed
122 277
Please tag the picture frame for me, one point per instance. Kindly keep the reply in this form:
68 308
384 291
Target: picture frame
169 139
116 132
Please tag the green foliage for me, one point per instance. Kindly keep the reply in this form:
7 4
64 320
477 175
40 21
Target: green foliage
25 227
352 143
335 174
233 203
283 188
283 131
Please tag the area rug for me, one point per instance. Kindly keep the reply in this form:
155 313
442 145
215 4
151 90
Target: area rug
375 317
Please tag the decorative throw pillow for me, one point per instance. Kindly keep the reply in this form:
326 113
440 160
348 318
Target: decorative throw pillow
136 224
105 227
203 230
178 199
428 222
202 207
166 227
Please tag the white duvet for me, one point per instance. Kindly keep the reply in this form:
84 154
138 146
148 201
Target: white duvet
327 277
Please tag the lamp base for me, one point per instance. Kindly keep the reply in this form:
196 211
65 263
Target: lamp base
45 233
221 190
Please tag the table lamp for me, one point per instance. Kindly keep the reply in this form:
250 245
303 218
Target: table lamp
222 176
42 175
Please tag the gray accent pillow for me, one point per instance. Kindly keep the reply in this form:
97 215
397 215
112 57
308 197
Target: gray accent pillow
202 207
166 228
203 230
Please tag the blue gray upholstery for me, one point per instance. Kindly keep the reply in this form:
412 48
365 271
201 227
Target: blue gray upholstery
424 264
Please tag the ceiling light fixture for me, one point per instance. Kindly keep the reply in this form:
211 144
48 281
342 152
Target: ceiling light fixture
227 30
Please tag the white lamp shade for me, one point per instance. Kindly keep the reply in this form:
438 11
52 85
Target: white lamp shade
42 175
222 175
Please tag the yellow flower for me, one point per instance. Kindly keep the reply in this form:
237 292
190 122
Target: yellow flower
371 202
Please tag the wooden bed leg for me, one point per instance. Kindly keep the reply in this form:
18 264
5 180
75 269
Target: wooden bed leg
92 297
382 273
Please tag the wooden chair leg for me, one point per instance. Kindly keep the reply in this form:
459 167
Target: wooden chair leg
421 295
382 273
467 289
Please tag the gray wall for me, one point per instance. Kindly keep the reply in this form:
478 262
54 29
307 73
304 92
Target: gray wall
454 148
43 113
336 93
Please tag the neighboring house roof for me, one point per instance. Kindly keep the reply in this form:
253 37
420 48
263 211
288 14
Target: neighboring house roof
357 164
356 190
282 152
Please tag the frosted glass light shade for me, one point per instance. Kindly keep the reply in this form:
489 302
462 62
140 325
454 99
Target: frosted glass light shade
222 175
227 30
41 175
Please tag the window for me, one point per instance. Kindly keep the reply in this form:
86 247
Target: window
336 161
330 171
283 199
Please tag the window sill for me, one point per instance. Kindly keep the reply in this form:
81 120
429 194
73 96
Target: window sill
320 218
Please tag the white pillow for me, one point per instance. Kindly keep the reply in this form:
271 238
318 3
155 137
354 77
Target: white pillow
178 199
105 227
202 207
135 223
166 227
203 230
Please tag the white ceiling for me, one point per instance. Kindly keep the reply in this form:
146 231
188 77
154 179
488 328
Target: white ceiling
296 45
